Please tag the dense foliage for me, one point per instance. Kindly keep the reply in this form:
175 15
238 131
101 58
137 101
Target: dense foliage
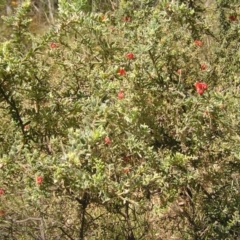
121 124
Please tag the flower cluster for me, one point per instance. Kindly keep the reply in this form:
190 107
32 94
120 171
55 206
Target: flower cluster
203 66
130 56
53 45
198 43
39 180
121 71
179 71
121 94
126 170
232 18
126 19
107 140
200 87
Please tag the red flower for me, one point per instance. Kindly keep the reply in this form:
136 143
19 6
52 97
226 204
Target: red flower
200 87
2 212
126 158
121 71
26 127
198 43
126 19
179 71
232 18
121 95
203 66
130 56
39 180
126 170
107 140
102 17
54 45
205 113
1 191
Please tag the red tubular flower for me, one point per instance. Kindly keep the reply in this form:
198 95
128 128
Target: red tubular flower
126 19
126 170
232 18
121 71
121 95
2 212
179 71
1 191
107 140
26 127
200 87
130 56
54 45
205 113
39 180
203 66
198 43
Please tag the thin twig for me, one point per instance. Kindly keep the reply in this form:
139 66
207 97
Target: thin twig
64 232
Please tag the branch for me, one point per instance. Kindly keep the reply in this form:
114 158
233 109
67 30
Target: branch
64 232
13 106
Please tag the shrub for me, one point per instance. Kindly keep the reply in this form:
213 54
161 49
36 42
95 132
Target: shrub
105 136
